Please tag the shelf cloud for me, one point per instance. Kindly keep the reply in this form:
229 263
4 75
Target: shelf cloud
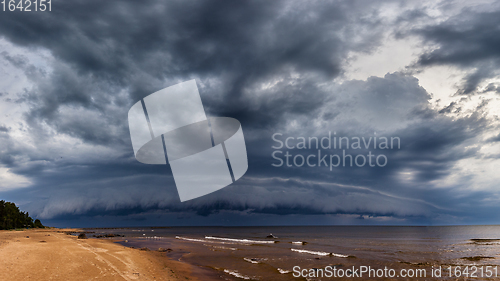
70 76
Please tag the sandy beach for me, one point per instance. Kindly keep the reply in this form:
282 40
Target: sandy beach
54 255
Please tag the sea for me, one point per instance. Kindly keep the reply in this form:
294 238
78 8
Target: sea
325 252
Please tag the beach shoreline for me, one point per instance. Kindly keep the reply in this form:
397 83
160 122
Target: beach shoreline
52 254
235 253
253 253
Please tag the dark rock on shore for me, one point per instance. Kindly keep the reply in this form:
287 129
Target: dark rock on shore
161 250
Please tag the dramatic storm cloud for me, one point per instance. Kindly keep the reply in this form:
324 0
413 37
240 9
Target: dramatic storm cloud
424 73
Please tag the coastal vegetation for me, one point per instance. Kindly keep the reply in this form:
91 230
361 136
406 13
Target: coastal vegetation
11 217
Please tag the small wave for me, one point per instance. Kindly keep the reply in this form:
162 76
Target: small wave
254 260
251 260
152 237
477 258
299 242
191 239
236 274
204 241
282 271
319 253
246 241
485 240
222 247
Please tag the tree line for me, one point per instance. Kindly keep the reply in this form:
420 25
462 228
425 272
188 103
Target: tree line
11 217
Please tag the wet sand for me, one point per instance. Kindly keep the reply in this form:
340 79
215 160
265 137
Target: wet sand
54 255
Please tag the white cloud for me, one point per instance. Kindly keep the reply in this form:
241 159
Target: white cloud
10 181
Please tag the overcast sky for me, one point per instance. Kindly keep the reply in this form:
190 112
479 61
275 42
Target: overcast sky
426 72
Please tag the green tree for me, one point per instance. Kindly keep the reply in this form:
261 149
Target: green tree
11 217
38 224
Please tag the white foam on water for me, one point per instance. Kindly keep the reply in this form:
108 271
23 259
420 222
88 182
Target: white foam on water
221 247
204 241
236 274
299 242
152 237
255 260
282 271
319 253
191 239
246 241
251 260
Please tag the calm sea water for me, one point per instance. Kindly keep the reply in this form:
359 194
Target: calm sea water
237 253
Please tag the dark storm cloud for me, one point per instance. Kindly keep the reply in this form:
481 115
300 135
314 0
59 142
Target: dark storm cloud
468 40
431 146
103 50
118 44
271 65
